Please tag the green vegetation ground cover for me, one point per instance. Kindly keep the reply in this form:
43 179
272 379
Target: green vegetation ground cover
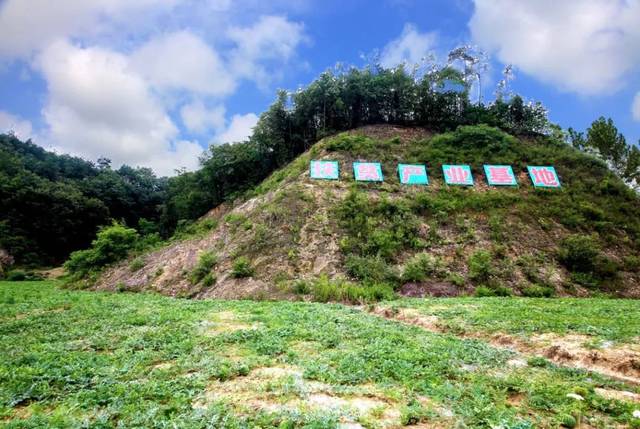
605 319
82 359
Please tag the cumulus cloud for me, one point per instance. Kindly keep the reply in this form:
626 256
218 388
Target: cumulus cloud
199 119
271 39
115 83
27 26
11 123
583 46
183 61
411 47
635 107
97 106
239 129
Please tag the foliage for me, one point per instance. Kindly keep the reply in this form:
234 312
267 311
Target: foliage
371 269
202 271
144 360
420 268
604 139
22 276
486 291
112 244
242 268
480 266
582 255
340 100
54 204
603 319
338 290
537 291
379 228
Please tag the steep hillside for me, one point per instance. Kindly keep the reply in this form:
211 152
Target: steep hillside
298 237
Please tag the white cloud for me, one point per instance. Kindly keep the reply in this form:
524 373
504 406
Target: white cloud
98 106
28 25
411 47
199 119
584 46
114 79
11 123
239 129
635 107
272 39
182 61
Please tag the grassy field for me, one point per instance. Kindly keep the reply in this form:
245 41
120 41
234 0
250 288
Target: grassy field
83 359
604 319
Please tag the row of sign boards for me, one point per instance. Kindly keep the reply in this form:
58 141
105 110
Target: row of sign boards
416 174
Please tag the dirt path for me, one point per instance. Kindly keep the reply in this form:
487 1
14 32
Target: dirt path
618 362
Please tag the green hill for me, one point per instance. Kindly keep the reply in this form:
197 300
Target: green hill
294 237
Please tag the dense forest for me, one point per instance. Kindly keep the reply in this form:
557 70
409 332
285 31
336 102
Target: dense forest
54 204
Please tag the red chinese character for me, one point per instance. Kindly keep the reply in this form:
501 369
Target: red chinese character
409 171
500 175
544 176
458 175
324 169
368 172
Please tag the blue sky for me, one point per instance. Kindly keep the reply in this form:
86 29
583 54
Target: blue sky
153 82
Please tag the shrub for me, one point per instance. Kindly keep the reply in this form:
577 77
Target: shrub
325 290
537 291
484 291
568 421
206 262
112 244
301 287
21 276
16 276
371 269
420 267
242 268
631 263
209 280
578 253
480 266
456 279
136 265
377 227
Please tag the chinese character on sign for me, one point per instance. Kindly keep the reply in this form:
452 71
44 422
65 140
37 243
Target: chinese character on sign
500 175
413 174
367 171
544 177
324 170
457 175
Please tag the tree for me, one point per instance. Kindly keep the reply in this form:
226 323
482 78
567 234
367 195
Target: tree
612 146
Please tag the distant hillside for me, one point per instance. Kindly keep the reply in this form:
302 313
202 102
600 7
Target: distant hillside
294 237
53 204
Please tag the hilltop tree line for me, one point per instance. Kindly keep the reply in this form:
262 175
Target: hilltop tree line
341 100
52 204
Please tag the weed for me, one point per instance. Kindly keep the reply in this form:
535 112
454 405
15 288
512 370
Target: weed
537 291
480 266
371 269
242 268
136 265
206 261
421 267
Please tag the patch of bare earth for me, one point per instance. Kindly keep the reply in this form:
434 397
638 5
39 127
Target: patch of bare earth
225 322
621 362
282 389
